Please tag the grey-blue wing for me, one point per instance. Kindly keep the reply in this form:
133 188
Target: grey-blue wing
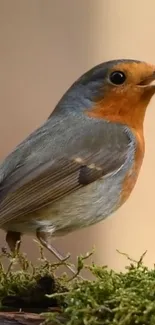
53 162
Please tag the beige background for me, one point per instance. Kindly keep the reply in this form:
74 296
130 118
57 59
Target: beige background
44 46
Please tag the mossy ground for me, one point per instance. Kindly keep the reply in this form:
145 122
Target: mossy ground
121 298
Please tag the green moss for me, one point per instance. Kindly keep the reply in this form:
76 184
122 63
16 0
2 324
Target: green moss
27 287
120 298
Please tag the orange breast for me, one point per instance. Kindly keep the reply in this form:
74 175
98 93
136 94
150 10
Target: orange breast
132 175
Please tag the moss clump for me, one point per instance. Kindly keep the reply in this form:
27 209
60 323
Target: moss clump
112 298
120 298
27 287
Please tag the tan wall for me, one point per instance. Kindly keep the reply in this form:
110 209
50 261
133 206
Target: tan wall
44 47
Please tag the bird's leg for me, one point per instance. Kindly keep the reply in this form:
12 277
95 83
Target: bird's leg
13 240
42 236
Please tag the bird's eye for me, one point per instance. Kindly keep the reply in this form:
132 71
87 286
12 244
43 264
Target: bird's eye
117 77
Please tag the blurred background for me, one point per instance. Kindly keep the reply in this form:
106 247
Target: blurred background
44 46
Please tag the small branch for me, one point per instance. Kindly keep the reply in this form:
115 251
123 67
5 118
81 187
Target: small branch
20 318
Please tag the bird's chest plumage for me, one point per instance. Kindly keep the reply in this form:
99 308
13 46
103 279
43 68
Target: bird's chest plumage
132 173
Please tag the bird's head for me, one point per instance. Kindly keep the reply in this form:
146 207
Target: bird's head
117 90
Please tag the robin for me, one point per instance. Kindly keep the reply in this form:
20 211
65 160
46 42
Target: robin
82 164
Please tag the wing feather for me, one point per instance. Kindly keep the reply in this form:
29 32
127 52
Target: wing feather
52 179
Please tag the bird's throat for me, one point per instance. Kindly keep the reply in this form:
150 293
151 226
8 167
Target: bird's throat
121 109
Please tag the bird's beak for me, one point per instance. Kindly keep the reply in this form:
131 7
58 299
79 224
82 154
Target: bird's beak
148 81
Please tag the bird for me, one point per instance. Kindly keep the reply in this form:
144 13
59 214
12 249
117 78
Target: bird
82 163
